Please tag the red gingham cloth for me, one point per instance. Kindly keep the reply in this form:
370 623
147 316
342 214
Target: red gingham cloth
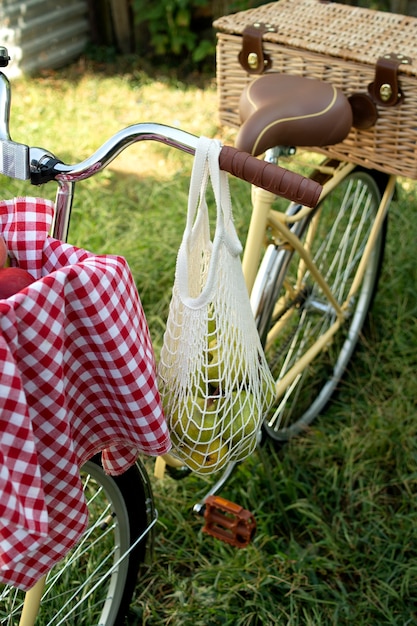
77 376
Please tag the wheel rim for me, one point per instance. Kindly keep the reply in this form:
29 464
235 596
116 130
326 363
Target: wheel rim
87 586
344 221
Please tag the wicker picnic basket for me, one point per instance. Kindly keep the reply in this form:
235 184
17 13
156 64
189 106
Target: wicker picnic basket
340 44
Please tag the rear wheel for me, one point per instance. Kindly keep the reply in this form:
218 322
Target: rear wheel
336 236
94 584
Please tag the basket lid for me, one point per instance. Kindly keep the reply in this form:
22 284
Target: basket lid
338 30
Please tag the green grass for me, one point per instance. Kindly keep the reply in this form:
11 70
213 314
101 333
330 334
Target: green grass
336 542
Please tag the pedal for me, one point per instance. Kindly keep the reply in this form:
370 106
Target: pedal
228 522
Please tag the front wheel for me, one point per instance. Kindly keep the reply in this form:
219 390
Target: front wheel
94 584
336 237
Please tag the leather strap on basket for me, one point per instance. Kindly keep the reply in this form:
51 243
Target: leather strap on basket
385 90
252 56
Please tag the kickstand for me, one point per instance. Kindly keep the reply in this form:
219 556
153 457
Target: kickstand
200 506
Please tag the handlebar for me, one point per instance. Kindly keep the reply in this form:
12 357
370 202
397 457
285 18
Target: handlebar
271 177
45 167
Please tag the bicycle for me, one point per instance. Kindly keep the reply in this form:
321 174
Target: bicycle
121 508
290 285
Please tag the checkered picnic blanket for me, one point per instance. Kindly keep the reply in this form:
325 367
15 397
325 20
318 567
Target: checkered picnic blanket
77 376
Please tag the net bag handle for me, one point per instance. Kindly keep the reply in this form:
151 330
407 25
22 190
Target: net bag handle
206 167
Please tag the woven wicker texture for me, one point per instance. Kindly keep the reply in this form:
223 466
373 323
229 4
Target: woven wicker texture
339 44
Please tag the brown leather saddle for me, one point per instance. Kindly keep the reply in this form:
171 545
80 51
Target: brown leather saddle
288 110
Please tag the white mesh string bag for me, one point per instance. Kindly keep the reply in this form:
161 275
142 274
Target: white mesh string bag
214 381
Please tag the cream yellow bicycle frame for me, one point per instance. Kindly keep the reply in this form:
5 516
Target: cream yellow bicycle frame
265 217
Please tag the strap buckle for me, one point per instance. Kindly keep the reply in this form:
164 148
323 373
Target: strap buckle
385 89
252 56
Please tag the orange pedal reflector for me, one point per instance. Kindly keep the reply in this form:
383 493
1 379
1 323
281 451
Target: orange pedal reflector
228 521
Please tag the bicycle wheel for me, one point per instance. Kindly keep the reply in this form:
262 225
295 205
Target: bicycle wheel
336 236
94 584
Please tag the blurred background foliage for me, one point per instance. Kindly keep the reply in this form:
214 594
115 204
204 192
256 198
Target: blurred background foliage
181 29
179 33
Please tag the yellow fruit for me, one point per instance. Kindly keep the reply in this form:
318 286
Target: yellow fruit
197 423
269 393
219 367
243 423
200 387
246 449
213 368
211 328
206 458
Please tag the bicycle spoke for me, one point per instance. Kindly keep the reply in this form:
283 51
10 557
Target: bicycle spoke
341 230
89 585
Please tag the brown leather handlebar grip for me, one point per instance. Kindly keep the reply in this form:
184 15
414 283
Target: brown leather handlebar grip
269 176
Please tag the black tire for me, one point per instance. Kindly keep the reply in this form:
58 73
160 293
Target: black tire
340 228
120 511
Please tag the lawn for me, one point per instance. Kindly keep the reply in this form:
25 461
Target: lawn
336 509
